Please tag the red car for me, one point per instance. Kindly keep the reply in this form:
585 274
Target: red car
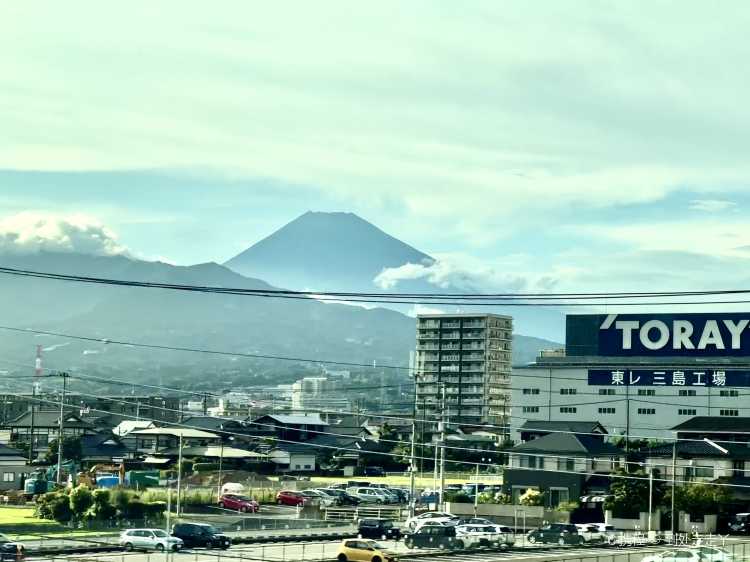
287 497
239 503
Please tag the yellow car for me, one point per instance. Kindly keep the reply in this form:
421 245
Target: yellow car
363 550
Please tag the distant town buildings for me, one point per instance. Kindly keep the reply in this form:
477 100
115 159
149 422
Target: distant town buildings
469 356
318 394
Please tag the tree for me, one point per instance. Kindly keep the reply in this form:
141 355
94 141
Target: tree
72 450
630 492
80 501
698 498
101 508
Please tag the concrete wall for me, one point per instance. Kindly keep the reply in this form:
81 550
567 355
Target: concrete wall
708 525
510 514
640 524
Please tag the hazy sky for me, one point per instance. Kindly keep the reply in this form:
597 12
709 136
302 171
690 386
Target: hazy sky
582 145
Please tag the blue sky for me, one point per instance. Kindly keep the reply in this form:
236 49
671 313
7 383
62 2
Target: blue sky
595 148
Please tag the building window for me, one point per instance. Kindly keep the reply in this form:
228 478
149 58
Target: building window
9 476
729 393
568 410
646 392
607 391
297 466
531 409
729 412
686 412
531 391
568 465
528 461
647 411
698 472
308 466
568 391
606 410
687 393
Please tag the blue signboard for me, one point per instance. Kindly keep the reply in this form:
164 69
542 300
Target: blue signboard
662 335
668 377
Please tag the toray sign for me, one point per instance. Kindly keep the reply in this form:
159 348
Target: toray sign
660 334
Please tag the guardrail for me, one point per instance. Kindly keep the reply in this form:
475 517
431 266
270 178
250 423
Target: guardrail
355 513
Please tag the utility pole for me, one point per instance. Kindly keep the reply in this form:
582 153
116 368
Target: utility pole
37 373
205 403
674 480
60 432
442 451
179 473
650 495
412 460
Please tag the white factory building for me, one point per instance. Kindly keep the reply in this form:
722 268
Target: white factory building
639 374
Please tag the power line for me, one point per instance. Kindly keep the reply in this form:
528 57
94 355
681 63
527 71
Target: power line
461 299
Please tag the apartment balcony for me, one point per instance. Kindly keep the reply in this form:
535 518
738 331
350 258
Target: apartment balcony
429 324
480 335
428 335
451 336
472 402
474 346
425 357
472 380
473 357
449 368
451 357
450 347
427 369
428 347
474 324
451 325
473 369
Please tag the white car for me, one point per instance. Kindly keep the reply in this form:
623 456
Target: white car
597 532
149 539
484 535
368 495
436 516
694 554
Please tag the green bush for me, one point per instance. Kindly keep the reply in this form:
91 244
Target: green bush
81 500
458 497
205 467
55 506
187 467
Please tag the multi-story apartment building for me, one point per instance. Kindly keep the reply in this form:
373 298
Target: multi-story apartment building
469 355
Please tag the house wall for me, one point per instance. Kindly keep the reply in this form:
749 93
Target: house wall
12 475
707 469
560 462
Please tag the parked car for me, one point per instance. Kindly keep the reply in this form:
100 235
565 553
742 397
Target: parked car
288 497
374 471
560 533
473 521
200 534
434 536
484 536
740 524
344 497
696 554
244 504
378 529
363 550
439 516
368 495
322 498
149 539
597 532
11 550
330 497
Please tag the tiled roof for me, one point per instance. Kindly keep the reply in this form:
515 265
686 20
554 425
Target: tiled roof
564 426
738 451
568 443
48 418
715 424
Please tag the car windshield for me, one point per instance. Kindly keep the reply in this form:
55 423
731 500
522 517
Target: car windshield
209 529
159 533
244 498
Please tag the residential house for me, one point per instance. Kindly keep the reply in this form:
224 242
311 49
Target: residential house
103 448
167 440
288 427
560 465
13 468
293 457
46 426
533 429
124 432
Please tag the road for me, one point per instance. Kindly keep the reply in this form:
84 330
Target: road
326 551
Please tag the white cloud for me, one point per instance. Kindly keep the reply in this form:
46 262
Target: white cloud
31 232
465 274
711 205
